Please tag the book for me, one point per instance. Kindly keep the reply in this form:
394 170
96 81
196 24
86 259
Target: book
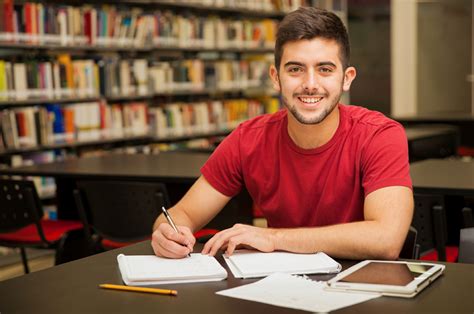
20 80
252 264
8 15
3 81
144 270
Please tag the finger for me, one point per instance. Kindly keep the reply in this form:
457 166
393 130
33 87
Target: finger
207 247
177 237
238 247
189 235
211 242
155 239
161 251
234 242
165 242
155 247
221 240
172 249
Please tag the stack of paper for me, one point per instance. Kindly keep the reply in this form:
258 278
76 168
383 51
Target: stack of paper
251 264
142 270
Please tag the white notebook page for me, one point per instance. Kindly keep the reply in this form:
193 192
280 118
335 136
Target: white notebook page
248 263
147 268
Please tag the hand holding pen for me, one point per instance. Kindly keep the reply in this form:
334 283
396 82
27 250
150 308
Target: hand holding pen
171 222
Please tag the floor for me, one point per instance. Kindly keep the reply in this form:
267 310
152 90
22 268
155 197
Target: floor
11 266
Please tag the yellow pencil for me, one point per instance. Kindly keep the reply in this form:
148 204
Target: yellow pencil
138 289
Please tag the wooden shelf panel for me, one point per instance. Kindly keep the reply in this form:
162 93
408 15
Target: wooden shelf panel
14 45
14 103
37 101
138 139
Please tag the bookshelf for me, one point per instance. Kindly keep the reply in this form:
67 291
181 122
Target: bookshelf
77 78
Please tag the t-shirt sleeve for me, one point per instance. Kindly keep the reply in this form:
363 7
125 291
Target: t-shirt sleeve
385 159
223 169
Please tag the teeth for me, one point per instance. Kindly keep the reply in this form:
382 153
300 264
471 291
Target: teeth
310 100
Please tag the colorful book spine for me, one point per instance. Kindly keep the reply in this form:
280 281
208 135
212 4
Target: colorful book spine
201 118
112 26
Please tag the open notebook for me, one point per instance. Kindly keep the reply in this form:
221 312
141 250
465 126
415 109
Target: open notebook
142 270
251 264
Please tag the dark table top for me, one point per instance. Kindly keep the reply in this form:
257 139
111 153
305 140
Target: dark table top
73 288
417 132
443 176
436 117
167 167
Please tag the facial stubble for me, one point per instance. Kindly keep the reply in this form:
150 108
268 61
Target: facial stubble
299 117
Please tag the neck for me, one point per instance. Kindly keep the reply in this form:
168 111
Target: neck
310 136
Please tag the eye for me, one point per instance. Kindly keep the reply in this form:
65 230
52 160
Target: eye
294 69
325 70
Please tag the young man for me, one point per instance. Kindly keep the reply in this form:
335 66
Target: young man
328 177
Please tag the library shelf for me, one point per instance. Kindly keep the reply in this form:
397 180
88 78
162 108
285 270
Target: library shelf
39 101
13 103
34 52
169 139
76 144
195 92
135 140
202 7
123 48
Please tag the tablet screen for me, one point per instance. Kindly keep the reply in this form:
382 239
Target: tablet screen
386 273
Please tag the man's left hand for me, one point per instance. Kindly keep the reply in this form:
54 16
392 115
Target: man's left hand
262 239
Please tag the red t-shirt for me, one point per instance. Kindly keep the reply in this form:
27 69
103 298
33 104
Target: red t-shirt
297 187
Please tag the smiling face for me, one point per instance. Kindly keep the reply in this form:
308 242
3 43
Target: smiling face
311 79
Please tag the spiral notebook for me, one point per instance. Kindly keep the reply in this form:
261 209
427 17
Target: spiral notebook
296 292
143 270
252 264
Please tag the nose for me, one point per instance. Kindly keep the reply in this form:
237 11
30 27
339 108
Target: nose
310 81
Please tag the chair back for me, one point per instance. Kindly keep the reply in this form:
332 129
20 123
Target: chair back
410 249
20 206
429 219
466 246
122 211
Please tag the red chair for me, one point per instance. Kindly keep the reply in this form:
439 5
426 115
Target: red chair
21 223
452 253
204 234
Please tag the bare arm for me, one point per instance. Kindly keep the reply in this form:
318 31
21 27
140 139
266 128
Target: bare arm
200 204
387 212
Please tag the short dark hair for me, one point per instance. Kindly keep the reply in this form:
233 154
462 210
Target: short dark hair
308 23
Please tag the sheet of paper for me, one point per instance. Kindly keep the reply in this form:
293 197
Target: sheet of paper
249 264
296 292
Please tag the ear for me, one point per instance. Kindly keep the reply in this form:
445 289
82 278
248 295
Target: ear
349 75
273 72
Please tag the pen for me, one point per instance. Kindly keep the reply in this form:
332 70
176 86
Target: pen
170 221
138 289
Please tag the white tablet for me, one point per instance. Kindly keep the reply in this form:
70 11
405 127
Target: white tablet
392 278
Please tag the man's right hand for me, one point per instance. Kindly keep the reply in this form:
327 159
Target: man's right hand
166 242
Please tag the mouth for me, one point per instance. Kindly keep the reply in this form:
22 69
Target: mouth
310 100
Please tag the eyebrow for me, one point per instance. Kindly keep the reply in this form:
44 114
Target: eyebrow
289 63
